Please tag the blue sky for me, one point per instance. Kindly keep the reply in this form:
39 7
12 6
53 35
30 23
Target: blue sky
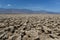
49 5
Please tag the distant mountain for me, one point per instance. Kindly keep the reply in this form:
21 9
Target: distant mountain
23 11
2 10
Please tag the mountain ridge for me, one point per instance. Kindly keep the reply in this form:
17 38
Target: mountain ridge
24 11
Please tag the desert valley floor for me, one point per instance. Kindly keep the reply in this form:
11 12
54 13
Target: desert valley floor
29 26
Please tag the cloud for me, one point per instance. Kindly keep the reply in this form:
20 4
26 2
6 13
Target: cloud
9 5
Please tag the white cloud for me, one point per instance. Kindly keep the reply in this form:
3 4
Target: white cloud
9 5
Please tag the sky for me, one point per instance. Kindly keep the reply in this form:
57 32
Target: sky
36 5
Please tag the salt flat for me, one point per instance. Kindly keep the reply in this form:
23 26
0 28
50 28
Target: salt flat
29 26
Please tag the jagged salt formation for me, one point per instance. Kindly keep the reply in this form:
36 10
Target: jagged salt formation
30 28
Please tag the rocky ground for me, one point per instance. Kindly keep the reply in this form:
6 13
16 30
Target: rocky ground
29 27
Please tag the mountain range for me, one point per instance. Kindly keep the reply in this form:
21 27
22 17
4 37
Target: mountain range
24 11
